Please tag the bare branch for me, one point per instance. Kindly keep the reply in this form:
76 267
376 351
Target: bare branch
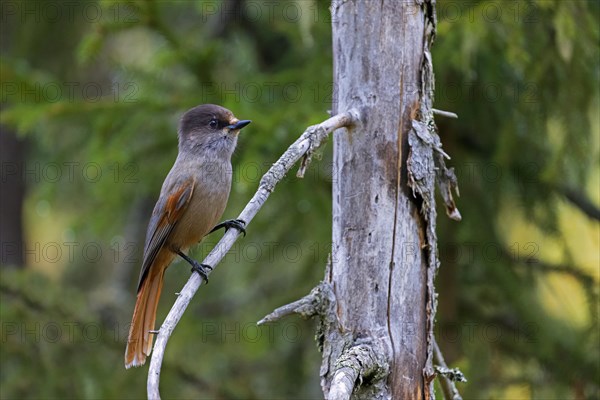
313 134
444 113
448 387
307 307
356 364
343 382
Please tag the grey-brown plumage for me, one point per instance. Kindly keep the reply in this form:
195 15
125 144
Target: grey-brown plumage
191 202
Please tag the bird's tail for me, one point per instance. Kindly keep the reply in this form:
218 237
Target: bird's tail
139 342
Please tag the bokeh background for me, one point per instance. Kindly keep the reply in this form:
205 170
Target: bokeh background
91 93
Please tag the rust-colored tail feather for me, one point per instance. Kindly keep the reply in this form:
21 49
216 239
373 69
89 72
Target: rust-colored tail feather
139 342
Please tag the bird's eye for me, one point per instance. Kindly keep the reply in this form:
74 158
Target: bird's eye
213 123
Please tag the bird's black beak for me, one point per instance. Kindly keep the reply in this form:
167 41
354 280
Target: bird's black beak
239 124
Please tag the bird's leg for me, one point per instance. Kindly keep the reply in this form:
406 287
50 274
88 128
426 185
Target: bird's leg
238 224
196 266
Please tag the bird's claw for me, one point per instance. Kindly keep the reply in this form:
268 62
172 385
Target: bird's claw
201 270
238 224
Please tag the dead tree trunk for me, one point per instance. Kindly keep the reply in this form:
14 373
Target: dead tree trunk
378 342
377 303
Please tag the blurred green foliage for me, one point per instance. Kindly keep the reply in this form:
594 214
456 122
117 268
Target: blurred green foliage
98 88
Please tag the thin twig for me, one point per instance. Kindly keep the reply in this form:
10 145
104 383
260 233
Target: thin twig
448 387
313 134
443 113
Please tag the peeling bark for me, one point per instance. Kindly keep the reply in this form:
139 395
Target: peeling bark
384 255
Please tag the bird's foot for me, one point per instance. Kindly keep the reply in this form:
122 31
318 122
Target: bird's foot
238 224
201 270
196 266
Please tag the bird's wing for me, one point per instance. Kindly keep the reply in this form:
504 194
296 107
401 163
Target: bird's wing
167 212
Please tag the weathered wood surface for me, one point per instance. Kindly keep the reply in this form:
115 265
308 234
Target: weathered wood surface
381 259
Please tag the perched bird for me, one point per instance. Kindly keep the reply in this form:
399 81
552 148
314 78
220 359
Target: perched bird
192 200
